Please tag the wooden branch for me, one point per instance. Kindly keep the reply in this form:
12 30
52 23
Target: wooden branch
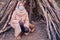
51 29
3 12
50 14
11 8
56 8
45 14
4 2
2 5
54 25
54 4
30 10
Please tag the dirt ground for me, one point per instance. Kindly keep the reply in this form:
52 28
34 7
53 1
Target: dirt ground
39 34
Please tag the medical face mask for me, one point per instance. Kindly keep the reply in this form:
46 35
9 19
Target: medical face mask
21 8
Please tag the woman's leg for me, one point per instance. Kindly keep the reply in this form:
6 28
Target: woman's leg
16 26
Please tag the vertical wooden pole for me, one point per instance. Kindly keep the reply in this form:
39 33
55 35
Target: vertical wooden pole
30 9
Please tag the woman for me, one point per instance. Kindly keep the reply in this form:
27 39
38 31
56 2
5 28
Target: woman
20 21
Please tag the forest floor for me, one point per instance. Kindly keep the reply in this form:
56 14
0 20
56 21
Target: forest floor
39 33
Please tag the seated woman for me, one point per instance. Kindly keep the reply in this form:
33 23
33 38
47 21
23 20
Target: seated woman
20 20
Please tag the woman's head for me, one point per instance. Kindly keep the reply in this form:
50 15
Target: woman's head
20 5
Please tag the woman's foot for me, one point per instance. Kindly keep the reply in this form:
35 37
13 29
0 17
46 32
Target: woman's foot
32 27
18 37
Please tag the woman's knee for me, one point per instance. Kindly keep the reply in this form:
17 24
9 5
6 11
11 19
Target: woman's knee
17 32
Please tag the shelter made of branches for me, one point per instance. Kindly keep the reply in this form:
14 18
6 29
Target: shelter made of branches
47 10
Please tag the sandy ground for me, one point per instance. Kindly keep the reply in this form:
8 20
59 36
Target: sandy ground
39 34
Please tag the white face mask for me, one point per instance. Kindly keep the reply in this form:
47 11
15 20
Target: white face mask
21 8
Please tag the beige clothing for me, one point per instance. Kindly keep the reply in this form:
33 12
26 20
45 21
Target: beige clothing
19 15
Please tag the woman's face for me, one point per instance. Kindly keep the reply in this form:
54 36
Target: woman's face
21 6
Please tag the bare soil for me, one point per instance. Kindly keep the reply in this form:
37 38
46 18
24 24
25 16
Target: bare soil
39 33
